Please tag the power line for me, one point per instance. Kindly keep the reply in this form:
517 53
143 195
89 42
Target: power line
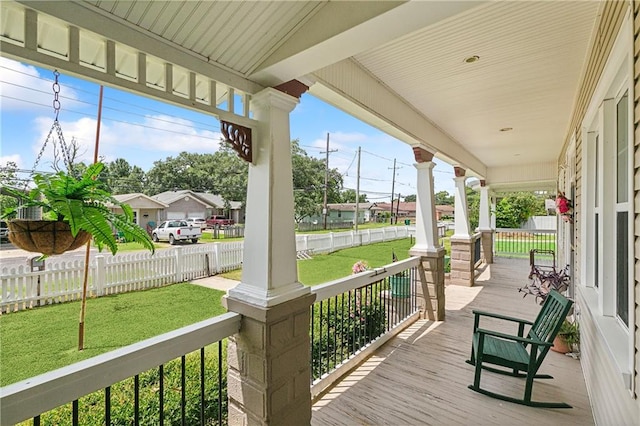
119 121
351 164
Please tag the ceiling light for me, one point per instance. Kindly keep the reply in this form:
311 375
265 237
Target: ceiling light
472 59
506 129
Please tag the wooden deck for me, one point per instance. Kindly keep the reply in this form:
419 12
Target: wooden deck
421 378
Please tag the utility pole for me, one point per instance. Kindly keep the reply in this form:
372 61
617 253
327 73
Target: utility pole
393 188
397 209
357 192
326 185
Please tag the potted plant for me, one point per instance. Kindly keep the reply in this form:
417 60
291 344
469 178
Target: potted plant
544 279
74 209
567 338
400 282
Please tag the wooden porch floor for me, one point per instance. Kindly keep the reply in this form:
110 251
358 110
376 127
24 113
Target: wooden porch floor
420 377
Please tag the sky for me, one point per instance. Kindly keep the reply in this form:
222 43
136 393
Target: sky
142 131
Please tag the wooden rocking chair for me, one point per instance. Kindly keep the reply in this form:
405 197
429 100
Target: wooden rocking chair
521 356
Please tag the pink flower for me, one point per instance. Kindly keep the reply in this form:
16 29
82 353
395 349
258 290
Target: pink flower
359 266
562 204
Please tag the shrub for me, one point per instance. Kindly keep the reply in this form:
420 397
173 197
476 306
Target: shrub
92 406
342 329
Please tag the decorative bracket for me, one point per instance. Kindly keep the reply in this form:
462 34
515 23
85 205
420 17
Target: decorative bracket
240 139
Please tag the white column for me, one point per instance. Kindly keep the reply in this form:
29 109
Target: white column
269 270
461 210
426 224
484 220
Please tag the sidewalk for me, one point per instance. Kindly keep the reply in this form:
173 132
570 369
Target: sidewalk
216 282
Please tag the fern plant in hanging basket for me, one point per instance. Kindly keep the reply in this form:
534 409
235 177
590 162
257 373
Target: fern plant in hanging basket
45 236
79 209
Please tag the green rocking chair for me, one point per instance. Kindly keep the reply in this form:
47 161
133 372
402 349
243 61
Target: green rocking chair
521 356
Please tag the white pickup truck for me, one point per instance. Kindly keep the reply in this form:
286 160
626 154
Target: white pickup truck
176 230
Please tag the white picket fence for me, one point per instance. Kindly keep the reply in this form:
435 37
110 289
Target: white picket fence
61 281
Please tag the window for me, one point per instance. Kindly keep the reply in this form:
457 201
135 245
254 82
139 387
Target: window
607 209
622 208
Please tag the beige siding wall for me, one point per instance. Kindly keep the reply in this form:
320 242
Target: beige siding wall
636 193
612 14
611 400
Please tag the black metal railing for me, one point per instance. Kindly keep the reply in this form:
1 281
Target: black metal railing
159 381
519 242
363 309
477 250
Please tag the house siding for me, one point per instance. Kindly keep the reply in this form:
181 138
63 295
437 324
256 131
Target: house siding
636 195
611 400
187 208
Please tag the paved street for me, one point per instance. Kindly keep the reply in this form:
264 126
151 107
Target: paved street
11 256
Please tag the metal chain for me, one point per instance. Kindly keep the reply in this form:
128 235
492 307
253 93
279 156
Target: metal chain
56 126
56 92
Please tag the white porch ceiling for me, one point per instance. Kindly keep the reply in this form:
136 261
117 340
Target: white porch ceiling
397 65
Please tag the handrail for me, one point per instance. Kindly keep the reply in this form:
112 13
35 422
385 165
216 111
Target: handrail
342 285
28 398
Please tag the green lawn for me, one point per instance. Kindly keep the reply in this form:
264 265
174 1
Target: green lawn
328 267
43 339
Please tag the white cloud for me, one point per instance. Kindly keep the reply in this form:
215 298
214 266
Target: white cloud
15 158
154 138
23 89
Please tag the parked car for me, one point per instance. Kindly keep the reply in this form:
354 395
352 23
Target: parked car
218 222
176 230
4 231
198 221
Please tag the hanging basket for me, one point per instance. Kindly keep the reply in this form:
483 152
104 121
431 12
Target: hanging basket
45 236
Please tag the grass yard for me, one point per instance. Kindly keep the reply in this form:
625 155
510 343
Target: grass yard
521 248
328 267
43 339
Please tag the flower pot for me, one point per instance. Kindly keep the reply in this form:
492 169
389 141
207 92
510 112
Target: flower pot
400 286
45 236
560 345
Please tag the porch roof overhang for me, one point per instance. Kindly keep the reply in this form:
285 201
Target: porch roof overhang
406 68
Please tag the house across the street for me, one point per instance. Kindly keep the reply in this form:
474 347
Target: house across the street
187 204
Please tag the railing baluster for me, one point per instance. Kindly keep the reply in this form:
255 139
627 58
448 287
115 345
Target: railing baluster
202 386
183 390
107 405
335 331
321 349
36 421
342 320
220 382
74 413
161 394
136 399
328 335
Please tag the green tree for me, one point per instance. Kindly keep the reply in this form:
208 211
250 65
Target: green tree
230 175
444 198
122 178
473 207
8 177
222 173
308 183
410 198
513 210
349 196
